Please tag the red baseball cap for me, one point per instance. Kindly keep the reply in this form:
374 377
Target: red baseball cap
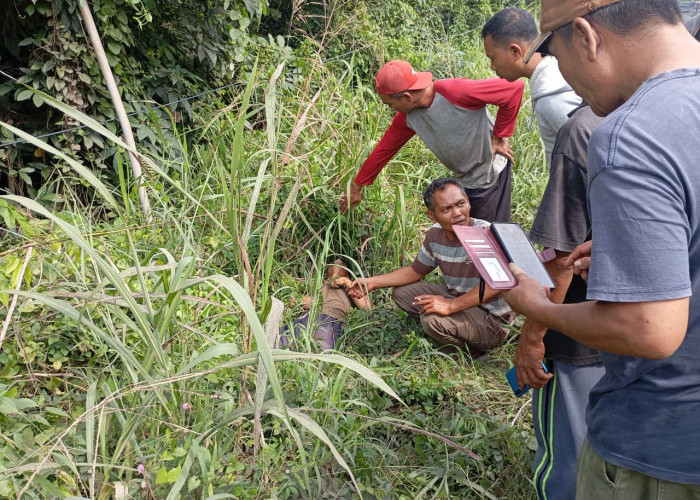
398 76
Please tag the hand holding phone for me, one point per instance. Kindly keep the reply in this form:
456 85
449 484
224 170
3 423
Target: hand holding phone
492 247
513 381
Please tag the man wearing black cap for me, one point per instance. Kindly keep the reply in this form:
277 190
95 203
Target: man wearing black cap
450 116
634 62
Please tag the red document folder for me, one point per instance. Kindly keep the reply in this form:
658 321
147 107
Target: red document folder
491 248
487 256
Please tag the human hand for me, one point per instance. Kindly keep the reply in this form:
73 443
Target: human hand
434 304
306 302
359 288
527 294
355 198
529 356
499 145
341 281
580 259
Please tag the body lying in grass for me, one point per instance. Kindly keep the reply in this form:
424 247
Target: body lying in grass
334 311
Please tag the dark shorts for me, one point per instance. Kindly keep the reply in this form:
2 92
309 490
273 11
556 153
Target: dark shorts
328 330
493 204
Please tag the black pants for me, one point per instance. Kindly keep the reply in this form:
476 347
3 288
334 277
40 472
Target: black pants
493 203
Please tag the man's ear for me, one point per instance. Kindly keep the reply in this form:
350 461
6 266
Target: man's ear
587 37
431 216
516 51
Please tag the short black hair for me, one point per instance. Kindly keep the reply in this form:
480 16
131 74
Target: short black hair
630 16
439 185
511 24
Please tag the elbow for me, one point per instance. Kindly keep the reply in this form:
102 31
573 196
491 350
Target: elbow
660 343
655 330
667 349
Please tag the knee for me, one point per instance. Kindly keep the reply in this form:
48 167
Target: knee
435 327
402 297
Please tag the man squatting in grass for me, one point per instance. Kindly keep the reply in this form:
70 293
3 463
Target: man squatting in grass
450 314
451 118
636 64
561 223
334 310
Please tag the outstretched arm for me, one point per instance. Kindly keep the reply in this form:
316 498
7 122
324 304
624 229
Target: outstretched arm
403 276
360 303
652 330
391 142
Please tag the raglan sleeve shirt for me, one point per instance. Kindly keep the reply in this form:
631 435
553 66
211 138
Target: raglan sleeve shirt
462 92
476 94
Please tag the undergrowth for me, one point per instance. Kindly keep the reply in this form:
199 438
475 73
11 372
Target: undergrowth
137 359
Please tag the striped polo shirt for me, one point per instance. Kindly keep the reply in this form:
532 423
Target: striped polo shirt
457 268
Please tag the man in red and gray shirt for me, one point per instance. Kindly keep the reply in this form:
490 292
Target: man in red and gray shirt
450 116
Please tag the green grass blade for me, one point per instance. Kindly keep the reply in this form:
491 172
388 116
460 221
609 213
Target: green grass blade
81 170
144 326
315 429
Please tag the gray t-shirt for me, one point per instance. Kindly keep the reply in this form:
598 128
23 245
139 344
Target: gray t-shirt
459 137
644 188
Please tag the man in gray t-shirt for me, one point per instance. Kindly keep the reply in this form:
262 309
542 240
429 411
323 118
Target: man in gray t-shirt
637 65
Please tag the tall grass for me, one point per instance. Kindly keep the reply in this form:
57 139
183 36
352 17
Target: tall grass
133 312
176 389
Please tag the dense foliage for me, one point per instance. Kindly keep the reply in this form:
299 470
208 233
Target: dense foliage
135 358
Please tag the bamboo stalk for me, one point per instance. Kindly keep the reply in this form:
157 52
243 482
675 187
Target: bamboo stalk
118 104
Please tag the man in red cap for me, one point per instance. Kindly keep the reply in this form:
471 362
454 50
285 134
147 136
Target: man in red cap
636 64
450 116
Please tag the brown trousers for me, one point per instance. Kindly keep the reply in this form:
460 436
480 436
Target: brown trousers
474 330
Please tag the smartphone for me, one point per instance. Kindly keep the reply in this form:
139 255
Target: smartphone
519 250
512 379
